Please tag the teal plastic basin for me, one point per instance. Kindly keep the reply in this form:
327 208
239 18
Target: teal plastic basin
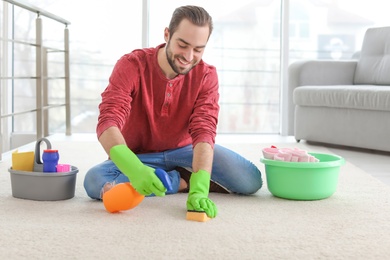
303 180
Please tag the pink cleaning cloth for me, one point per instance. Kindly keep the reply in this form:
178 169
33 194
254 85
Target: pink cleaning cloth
288 155
63 168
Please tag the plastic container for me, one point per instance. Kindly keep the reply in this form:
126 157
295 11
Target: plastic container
303 180
39 185
43 185
50 160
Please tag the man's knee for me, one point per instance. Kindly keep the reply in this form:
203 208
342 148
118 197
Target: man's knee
91 185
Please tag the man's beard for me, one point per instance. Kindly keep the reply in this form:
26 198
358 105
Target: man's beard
171 62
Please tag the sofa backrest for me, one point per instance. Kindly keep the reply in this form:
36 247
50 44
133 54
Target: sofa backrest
374 64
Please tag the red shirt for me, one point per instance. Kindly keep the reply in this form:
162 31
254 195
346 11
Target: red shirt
155 113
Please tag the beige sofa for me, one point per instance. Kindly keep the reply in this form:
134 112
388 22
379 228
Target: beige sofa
344 102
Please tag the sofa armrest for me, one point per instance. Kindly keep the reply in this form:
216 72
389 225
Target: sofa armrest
316 73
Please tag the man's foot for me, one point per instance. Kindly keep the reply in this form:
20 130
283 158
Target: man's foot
184 179
214 187
185 175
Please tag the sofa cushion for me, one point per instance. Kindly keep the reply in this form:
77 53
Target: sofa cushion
374 64
344 96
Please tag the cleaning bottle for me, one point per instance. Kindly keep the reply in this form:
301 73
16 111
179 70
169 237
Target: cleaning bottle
50 160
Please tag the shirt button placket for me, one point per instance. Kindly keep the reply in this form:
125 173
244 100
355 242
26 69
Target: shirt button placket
168 94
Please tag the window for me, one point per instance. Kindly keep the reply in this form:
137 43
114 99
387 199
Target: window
245 48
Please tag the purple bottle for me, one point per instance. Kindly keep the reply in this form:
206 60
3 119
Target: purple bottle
50 160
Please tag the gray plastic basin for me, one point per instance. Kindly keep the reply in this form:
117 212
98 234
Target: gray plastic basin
42 185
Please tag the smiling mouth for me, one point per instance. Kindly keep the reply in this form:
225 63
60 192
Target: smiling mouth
183 62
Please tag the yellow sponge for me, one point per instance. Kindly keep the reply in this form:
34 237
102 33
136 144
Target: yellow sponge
200 216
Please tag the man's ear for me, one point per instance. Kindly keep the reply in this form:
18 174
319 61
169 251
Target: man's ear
166 34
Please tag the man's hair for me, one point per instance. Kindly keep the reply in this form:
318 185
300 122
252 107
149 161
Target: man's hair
195 14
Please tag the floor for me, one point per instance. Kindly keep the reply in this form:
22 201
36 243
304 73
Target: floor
373 162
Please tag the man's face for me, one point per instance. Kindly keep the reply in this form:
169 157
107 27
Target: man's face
186 46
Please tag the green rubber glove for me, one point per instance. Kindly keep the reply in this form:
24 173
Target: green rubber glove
141 177
198 195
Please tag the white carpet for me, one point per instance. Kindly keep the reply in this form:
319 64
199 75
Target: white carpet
354 223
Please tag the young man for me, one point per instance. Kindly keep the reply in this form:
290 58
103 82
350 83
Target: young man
162 105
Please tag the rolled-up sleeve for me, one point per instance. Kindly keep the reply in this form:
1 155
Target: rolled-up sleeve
116 98
204 119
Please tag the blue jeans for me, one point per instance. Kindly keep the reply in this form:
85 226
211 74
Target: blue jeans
230 170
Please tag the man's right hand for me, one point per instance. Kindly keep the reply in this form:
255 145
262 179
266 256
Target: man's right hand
141 177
